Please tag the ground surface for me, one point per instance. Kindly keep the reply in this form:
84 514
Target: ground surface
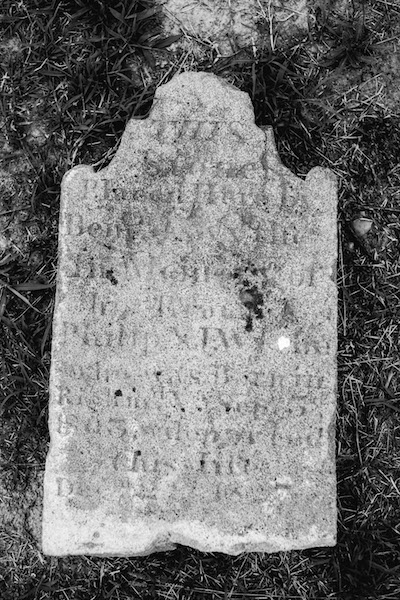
72 74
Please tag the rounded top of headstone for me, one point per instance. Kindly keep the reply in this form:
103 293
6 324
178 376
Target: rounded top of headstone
201 97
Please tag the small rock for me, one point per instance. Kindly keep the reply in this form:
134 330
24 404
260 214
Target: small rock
362 226
36 136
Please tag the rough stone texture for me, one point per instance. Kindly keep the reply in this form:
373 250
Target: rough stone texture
232 24
194 353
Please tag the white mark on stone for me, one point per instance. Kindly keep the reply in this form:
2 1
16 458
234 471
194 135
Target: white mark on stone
283 342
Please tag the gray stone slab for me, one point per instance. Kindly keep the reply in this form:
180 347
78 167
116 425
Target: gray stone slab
193 377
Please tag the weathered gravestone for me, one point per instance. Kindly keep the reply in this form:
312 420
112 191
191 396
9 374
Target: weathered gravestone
194 366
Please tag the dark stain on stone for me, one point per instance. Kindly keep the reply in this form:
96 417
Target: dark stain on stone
252 299
283 486
110 277
288 312
250 295
91 545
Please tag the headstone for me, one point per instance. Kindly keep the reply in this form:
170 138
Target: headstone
192 392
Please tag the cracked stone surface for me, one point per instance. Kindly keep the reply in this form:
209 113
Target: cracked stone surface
193 377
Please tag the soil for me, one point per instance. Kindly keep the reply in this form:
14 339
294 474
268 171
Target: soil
228 25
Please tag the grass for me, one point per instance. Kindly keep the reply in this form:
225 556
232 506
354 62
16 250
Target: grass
73 73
